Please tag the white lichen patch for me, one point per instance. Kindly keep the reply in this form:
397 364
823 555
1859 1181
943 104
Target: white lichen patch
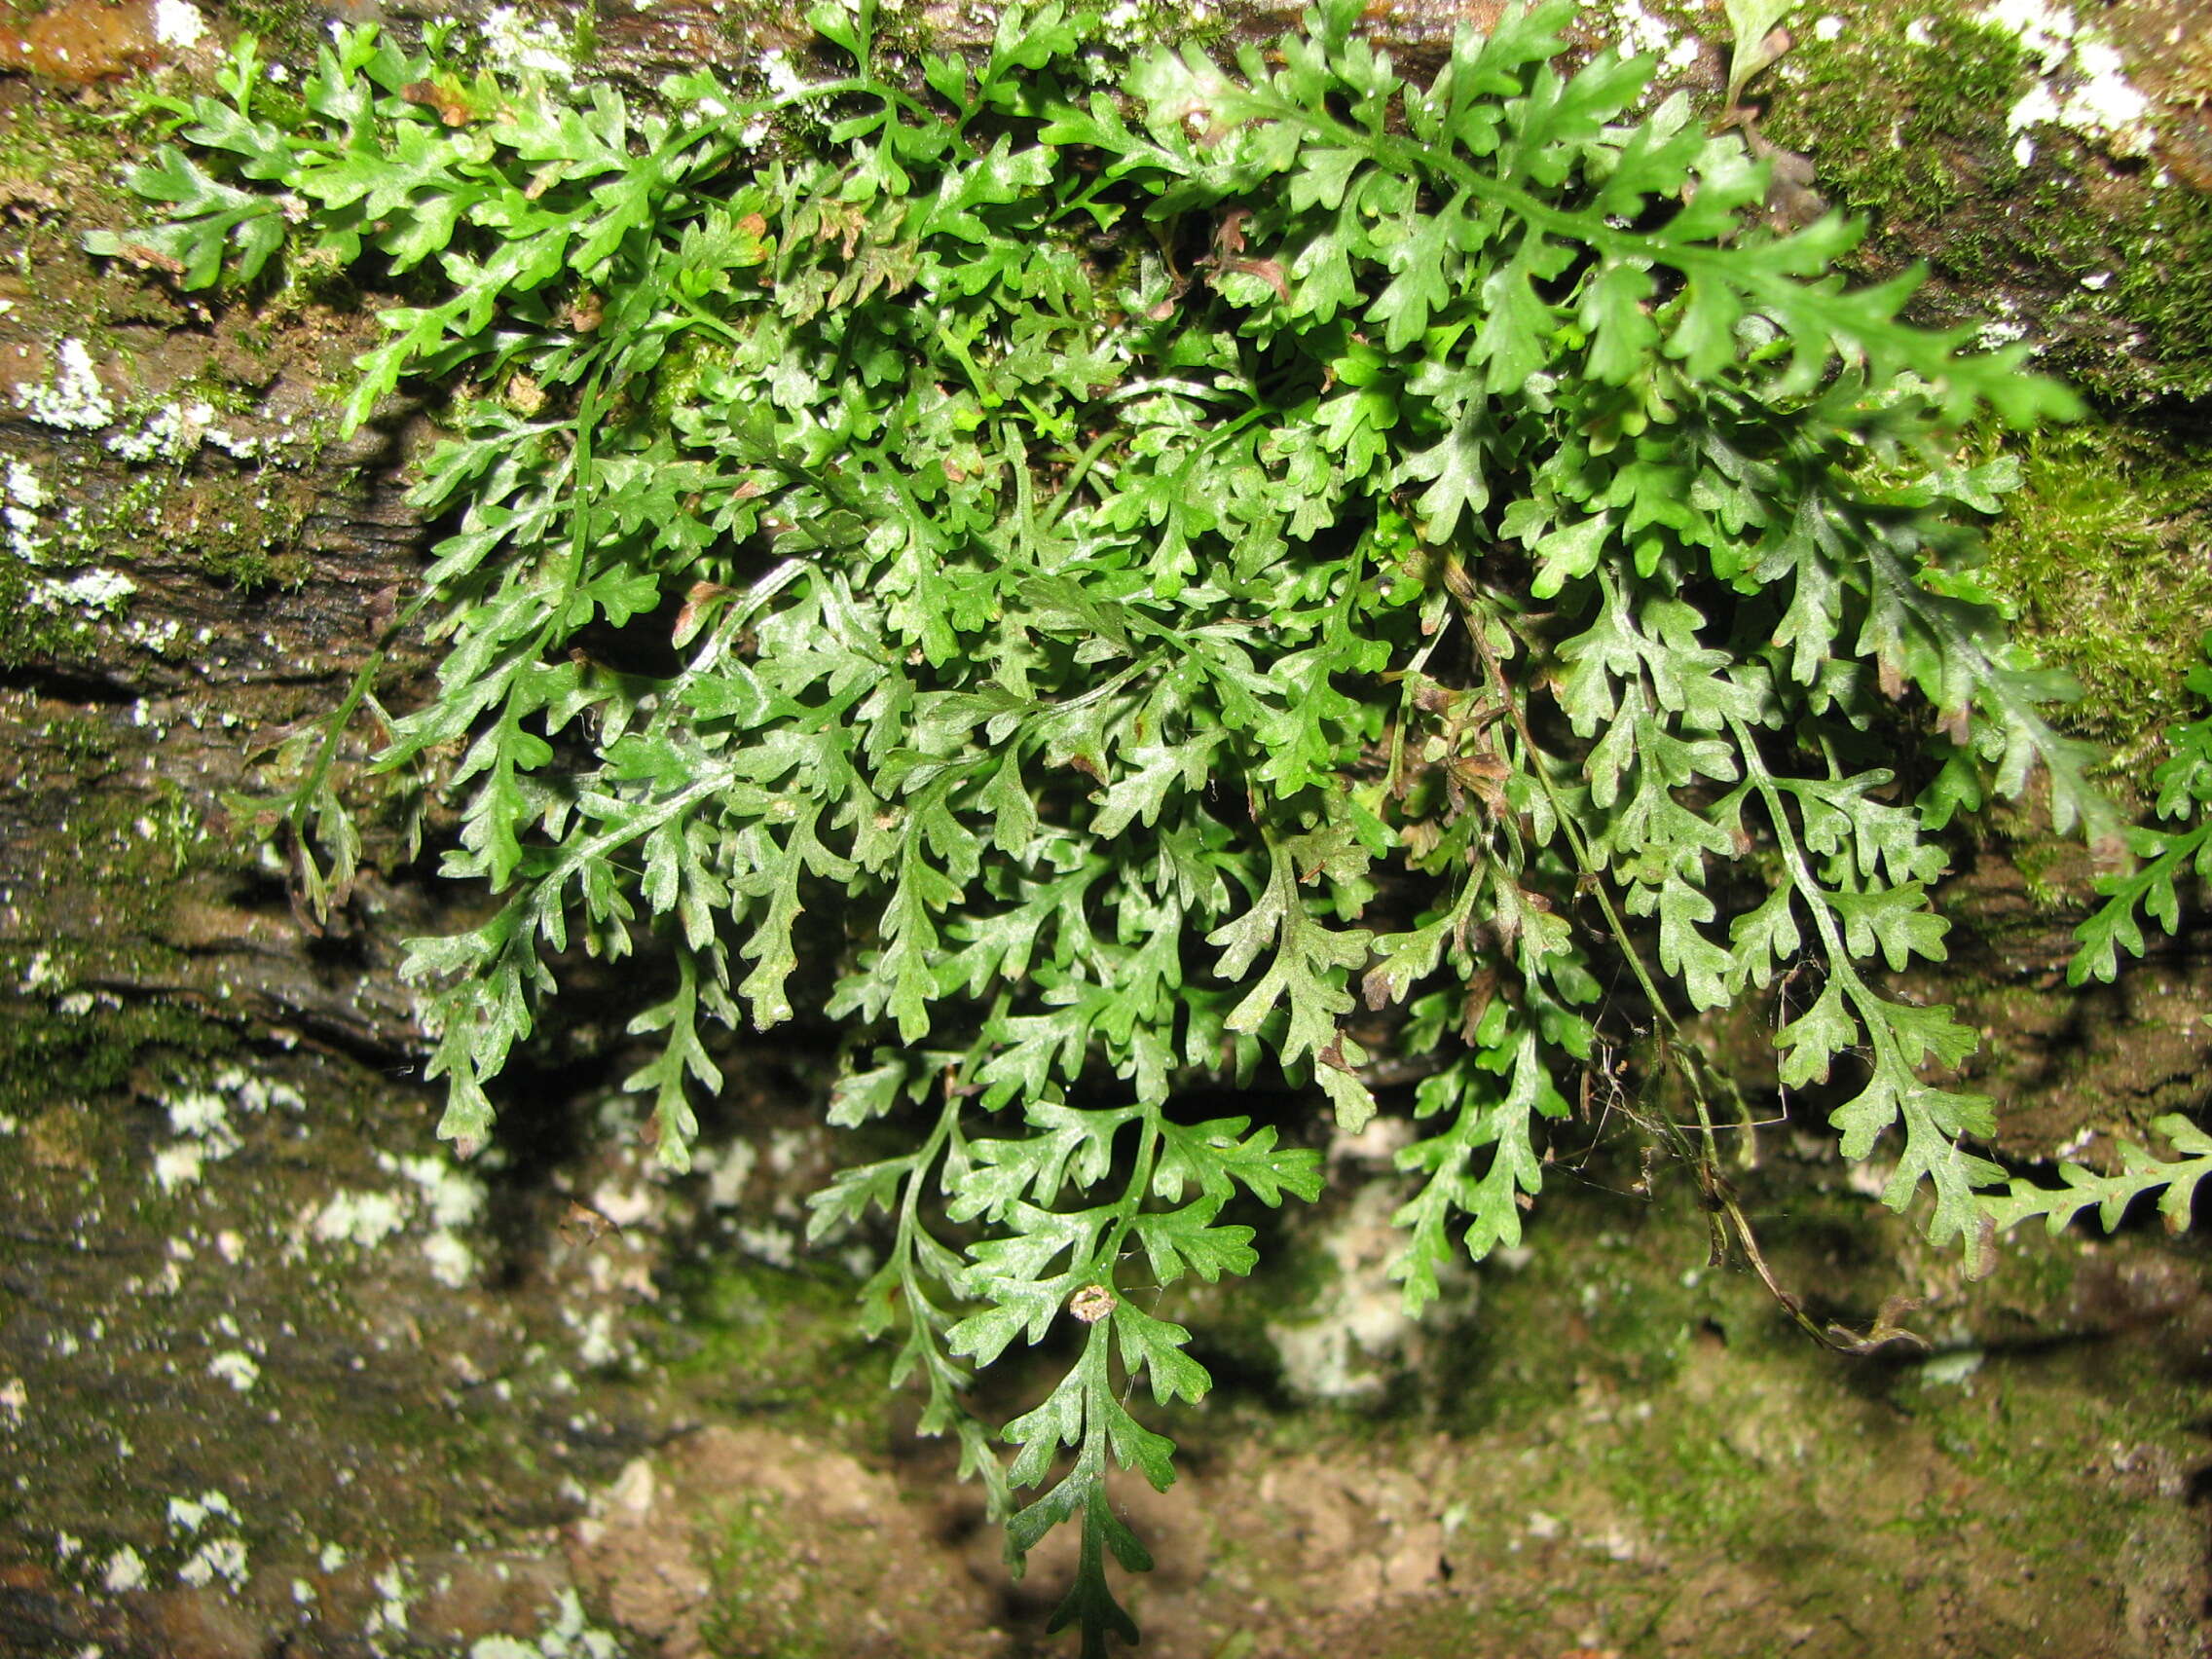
1353 1337
126 1570
2004 329
23 487
598 1346
235 1367
453 1264
365 1219
786 1148
2045 30
1950 1370
175 432
179 1165
778 1246
1639 33
389 1614
453 1196
160 638
217 1557
624 1206
201 1119
1870 1177
201 1113
512 41
172 433
783 80
429 1189
14 1397
73 399
259 1094
96 593
189 1515
2082 83
564 1636
450 1197
25 494
1130 23
178 23
727 1169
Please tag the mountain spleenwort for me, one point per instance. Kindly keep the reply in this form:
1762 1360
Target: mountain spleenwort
2170 855
1149 559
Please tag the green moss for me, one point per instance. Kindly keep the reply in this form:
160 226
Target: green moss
2102 552
2158 249
47 1056
68 158
2113 271
31 630
756 1568
756 1338
1614 1304
245 528
2030 1428
1687 1481
1903 132
249 569
290 31
60 1038
79 740
2043 867
2131 314
51 128
1705 1428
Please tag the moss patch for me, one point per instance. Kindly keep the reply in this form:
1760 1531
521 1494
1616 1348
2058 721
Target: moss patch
759 1338
2101 258
2106 553
1904 131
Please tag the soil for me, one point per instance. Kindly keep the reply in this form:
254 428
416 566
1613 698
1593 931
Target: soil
1622 1451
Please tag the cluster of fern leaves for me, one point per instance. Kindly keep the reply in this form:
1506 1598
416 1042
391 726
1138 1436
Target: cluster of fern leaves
1153 575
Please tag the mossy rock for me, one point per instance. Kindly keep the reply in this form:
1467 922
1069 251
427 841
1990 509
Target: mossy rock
2047 177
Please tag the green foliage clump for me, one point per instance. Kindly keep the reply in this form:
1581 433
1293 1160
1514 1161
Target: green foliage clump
2183 785
1222 574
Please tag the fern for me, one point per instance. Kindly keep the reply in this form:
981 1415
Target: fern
2183 783
2140 1173
1158 582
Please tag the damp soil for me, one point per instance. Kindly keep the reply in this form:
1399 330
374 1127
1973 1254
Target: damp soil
1621 1450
